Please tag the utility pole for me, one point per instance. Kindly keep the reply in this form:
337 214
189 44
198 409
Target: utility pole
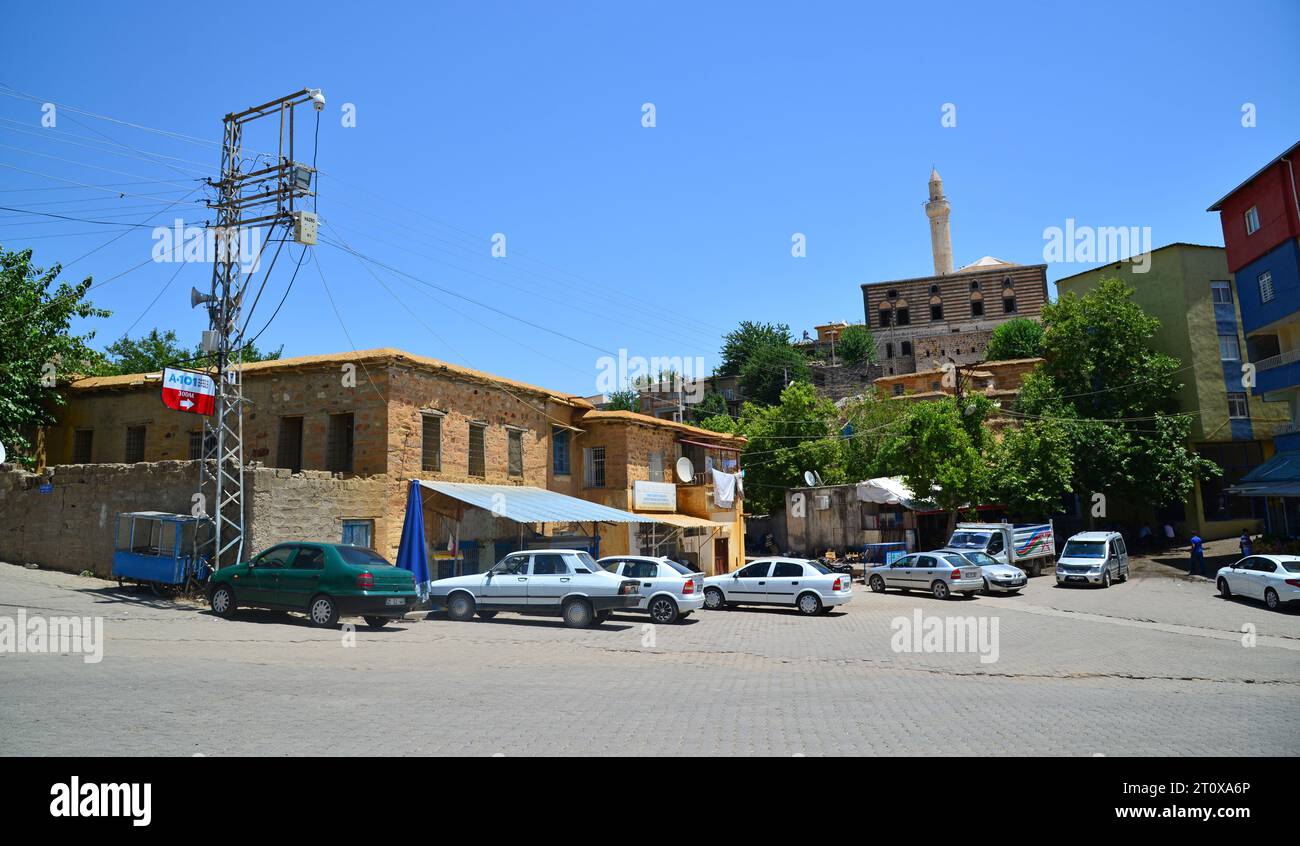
267 191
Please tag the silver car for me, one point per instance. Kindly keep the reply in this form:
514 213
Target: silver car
939 573
543 582
669 591
805 585
998 577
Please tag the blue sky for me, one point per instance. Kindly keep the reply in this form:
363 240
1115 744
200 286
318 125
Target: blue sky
525 119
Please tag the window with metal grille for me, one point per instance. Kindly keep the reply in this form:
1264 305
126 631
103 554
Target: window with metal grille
559 451
1229 349
82 443
134 444
431 442
1266 292
1220 293
1237 407
593 471
358 533
339 444
289 448
196 444
477 450
515 453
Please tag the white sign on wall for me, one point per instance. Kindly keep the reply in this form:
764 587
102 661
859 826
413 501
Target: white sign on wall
654 496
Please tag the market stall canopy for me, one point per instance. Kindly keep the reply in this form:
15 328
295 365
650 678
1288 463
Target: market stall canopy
1279 476
686 521
524 504
887 490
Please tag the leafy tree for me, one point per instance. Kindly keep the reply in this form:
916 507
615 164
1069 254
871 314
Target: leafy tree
159 348
868 420
769 369
626 400
939 450
740 344
37 345
720 423
857 346
712 405
799 433
1033 467
1017 338
1116 397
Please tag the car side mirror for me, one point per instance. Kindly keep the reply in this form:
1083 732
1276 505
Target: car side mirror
735 575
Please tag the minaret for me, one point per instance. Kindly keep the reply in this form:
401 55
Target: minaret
940 240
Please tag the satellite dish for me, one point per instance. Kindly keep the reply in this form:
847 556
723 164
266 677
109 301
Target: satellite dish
818 477
685 469
2 453
809 478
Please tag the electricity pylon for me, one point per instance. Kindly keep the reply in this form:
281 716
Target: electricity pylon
268 191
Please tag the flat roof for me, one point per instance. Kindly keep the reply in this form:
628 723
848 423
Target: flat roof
598 415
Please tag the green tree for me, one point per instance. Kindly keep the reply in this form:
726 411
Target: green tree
1017 338
626 400
769 369
939 450
38 346
857 346
159 348
1033 467
743 342
1116 398
799 433
712 405
868 421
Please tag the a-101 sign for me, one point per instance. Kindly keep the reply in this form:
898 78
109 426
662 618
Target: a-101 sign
185 390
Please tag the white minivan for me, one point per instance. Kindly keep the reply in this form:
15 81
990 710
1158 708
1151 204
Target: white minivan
1096 558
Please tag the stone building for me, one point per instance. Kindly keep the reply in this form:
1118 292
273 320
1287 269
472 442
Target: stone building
922 322
332 441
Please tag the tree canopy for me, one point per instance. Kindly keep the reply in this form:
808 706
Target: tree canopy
857 346
1019 337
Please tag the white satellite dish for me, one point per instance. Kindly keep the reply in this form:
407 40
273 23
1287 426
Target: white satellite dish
685 469
809 478
2 453
818 478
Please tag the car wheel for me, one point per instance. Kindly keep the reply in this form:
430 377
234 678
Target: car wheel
376 622
940 590
223 601
1123 575
577 614
460 607
663 610
714 600
322 611
1036 569
986 588
1271 599
808 604
1105 579
1224 590
877 584
486 615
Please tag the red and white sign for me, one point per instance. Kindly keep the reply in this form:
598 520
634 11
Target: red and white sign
185 390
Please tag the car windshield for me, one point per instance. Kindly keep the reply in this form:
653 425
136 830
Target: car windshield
1291 566
1084 549
969 540
362 557
819 567
981 558
954 559
681 568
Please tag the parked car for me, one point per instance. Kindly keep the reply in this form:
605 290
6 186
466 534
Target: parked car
794 582
324 580
940 573
1030 546
544 582
998 577
1272 578
669 591
1096 558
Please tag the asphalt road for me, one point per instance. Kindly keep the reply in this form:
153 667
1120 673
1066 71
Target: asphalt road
1156 666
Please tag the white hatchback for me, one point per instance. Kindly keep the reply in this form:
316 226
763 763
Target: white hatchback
793 582
669 591
1272 578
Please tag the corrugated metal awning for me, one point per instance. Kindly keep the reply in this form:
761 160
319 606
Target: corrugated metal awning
686 521
1279 476
532 505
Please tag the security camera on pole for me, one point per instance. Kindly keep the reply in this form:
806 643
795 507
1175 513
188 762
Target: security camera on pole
268 192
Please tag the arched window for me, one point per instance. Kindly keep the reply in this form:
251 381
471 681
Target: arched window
975 285
884 315
936 306
1008 296
902 316
976 304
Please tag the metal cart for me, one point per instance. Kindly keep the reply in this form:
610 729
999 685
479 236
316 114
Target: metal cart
159 550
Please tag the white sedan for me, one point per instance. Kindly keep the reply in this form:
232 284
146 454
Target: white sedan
669 591
793 582
1272 578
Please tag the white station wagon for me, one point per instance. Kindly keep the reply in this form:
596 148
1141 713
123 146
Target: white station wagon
793 582
1272 578
669 591
541 582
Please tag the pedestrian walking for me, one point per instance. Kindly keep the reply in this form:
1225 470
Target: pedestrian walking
1244 540
1197 566
1144 538
1169 535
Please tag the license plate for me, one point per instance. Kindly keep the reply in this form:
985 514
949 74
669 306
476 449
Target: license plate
395 600
1076 578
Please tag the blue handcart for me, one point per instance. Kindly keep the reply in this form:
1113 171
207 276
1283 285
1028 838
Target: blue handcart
875 554
159 550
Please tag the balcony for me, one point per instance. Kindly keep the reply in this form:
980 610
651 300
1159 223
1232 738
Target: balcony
1277 373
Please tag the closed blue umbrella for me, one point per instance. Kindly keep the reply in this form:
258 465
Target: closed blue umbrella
411 552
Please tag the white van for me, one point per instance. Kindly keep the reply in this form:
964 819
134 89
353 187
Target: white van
1094 558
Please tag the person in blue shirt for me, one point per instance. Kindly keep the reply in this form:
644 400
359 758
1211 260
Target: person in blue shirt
1245 543
1197 567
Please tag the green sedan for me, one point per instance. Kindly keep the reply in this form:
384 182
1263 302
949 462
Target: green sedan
323 580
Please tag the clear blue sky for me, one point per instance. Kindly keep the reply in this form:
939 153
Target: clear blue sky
525 119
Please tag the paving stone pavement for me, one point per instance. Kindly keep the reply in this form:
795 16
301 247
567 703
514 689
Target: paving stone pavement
1156 666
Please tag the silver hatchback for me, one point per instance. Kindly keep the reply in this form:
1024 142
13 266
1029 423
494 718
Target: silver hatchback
940 573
